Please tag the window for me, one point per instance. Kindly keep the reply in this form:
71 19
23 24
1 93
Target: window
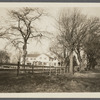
50 59
28 63
33 63
34 58
40 63
37 63
31 58
54 58
49 64
44 63
54 64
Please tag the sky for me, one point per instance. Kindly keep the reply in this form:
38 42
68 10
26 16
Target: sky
47 23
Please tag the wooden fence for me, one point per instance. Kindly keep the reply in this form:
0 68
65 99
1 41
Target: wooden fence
33 69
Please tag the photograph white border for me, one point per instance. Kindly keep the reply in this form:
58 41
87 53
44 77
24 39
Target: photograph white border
49 95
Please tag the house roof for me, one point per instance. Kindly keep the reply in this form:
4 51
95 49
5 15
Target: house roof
36 55
49 56
33 55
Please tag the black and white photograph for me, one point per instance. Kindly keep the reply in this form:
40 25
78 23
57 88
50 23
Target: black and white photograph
49 48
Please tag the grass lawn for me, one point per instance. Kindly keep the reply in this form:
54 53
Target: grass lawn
10 83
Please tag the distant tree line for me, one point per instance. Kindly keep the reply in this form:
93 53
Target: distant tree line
4 57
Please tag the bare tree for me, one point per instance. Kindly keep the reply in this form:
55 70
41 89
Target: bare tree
24 23
72 26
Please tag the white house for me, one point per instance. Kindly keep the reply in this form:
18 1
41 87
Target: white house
41 60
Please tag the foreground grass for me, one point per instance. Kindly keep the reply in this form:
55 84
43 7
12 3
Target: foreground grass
9 82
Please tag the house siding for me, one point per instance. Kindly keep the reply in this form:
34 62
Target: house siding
42 60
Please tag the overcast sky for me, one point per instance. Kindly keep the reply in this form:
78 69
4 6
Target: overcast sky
47 23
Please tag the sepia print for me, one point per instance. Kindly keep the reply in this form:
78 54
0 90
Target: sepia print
49 49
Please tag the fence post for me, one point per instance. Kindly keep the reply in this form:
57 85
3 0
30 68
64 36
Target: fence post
18 67
43 69
50 71
60 70
32 68
56 70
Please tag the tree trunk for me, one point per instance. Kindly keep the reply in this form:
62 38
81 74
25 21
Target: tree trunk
24 55
79 59
71 68
64 52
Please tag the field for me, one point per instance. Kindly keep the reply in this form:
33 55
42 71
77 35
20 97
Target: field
80 82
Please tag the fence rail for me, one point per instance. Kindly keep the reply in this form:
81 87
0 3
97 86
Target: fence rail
33 69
